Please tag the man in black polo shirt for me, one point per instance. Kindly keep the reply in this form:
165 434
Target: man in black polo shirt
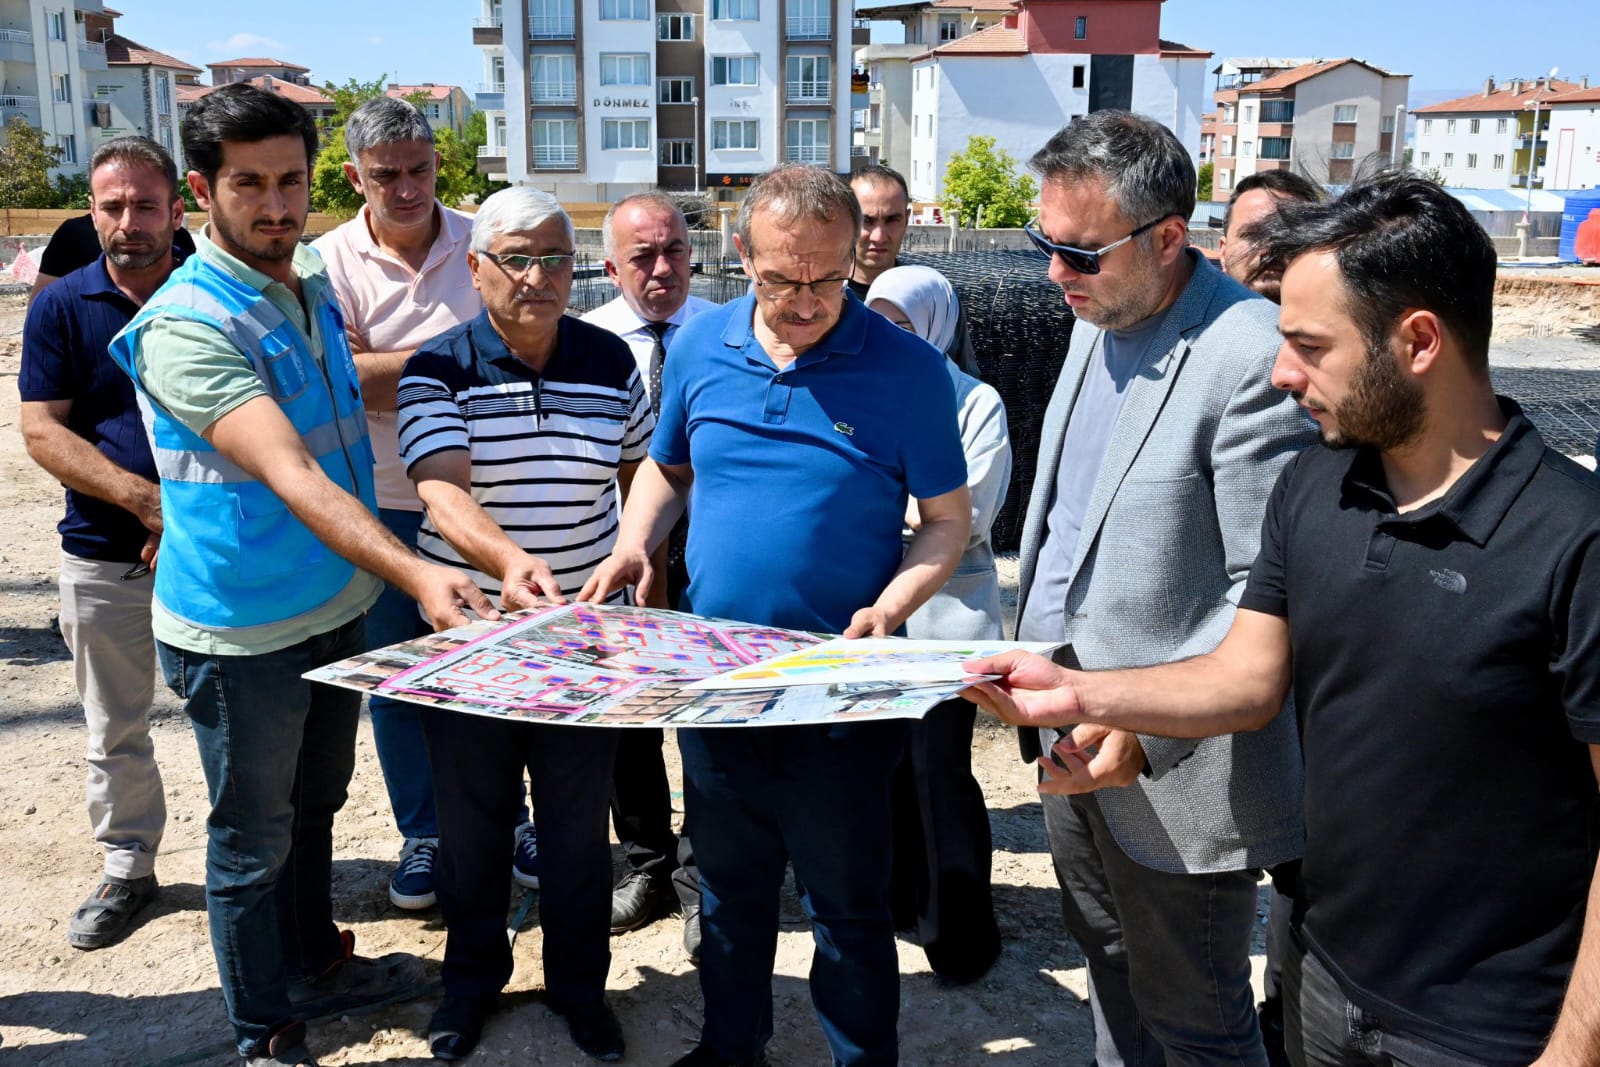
1430 586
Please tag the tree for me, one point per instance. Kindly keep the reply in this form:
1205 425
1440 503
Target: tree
331 192
1203 191
25 162
981 184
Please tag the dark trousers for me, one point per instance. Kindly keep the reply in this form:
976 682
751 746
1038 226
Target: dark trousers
819 796
478 763
942 847
641 812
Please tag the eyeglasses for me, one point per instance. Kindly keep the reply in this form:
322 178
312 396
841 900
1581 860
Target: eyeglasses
520 264
1081 260
822 287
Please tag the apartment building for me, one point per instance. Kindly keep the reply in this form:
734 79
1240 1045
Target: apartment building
1044 63
139 94
596 99
446 107
321 108
1573 141
1488 140
49 49
1320 118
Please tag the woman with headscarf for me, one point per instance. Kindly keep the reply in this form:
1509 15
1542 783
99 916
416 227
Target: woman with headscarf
941 823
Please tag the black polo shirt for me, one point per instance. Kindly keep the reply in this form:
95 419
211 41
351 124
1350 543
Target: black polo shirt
1447 678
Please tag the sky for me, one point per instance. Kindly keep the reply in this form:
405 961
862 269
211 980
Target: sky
1448 46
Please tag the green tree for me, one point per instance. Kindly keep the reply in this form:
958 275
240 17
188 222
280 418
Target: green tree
982 184
25 162
1203 190
459 176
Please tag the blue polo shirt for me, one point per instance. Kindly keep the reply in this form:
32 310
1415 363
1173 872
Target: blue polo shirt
801 475
64 357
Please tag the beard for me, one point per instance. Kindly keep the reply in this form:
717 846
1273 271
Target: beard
139 259
1383 411
266 249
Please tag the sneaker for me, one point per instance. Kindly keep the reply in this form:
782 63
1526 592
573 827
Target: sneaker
594 1028
635 901
411 887
357 982
457 1026
286 1047
105 914
525 858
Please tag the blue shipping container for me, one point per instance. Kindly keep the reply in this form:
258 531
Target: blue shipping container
1578 206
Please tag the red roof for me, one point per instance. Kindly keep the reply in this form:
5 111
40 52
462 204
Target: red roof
1285 79
1000 40
300 94
1581 96
122 52
964 5
431 91
259 62
1502 99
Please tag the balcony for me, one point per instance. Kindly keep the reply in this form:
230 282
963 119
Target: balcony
812 92
491 159
1525 140
551 27
553 93
809 27
19 103
555 157
487 31
491 96
817 154
16 46
860 33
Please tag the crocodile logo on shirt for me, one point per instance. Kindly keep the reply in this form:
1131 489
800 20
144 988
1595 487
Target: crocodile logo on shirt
1450 581
845 428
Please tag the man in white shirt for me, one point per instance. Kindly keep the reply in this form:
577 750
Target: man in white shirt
647 257
399 269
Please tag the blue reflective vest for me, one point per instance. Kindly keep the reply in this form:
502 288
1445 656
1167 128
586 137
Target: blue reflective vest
233 557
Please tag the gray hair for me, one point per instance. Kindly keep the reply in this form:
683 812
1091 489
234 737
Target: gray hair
384 120
795 191
1146 169
515 210
654 199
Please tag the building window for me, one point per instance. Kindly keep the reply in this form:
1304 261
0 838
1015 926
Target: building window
1473 127
1341 150
805 141
1499 162
61 88
166 138
1449 125
809 20
1249 113
1427 125
552 79
550 19
1283 111
735 70
555 143
949 27
674 27
808 79
624 68
735 133
1227 146
1386 124
1080 28
1278 148
630 10
1344 113
675 90
1078 76
1449 159
741 10
69 147
497 74
163 94
676 153
57 23
624 134
1472 161
1247 149
875 117
1425 157
1501 125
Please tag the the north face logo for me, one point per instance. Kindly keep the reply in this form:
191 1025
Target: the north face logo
1449 581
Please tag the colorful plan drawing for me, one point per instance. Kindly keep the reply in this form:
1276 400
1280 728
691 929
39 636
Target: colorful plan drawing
890 660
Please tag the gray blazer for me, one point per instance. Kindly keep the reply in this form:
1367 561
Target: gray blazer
1170 532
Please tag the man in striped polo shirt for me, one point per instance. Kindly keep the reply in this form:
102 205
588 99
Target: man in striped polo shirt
517 427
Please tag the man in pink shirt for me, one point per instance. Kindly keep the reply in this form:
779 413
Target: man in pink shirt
399 269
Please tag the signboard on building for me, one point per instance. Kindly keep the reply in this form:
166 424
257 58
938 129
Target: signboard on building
729 181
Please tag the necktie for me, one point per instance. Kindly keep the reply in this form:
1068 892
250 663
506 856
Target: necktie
658 359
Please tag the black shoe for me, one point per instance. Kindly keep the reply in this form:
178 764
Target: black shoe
691 933
635 901
457 1025
105 915
352 981
594 1028
701 1056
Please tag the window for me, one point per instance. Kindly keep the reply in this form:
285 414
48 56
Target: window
1344 113
735 70
676 153
1278 148
675 90
552 79
1450 126
1472 161
1449 159
633 10
625 68
744 10
61 88
166 138
1078 76
875 117
674 27
497 74
1386 124
550 19
1501 125
807 78
949 27
1249 113
69 147
1473 127
57 24
1247 149
1227 146
624 134
555 143
805 141
1283 111
808 20
1499 162
734 133
1341 150
1425 157
1427 125
163 94
1080 28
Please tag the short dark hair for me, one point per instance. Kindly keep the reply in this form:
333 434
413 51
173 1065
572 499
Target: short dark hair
136 151
1401 242
242 112
1283 184
1145 167
877 173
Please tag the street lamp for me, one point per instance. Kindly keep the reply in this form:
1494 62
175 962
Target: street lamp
696 102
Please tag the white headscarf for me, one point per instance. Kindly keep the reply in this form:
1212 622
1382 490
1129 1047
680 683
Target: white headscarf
925 297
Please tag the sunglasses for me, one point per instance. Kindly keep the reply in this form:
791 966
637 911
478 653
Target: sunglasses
519 264
1080 260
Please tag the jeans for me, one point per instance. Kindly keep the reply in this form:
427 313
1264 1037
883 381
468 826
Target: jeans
106 624
641 811
278 753
1324 1029
397 724
817 795
1168 954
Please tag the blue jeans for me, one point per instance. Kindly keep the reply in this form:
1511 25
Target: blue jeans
817 795
277 752
397 724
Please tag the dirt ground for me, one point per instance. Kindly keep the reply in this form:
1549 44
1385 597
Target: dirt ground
153 998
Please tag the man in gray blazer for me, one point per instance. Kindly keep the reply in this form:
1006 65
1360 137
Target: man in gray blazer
1160 445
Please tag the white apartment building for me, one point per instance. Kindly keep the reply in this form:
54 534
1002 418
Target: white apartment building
49 49
138 94
1487 140
1044 64
596 99
1573 137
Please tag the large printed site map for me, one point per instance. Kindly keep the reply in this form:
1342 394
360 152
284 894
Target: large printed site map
614 665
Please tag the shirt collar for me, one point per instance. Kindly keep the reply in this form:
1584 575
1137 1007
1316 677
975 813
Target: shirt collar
490 346
630 321
848 336
454 232
306 263
98 283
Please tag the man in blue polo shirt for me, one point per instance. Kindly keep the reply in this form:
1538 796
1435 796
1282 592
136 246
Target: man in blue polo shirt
799 422
80 422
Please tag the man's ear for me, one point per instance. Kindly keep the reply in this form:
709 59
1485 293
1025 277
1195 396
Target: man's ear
351 175
744 257
1421 340
200 188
